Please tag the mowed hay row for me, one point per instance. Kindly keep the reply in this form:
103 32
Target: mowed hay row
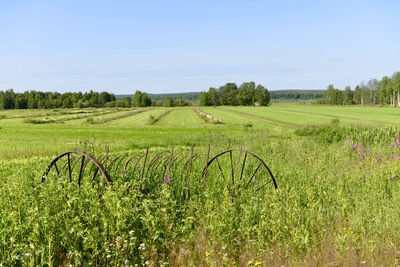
141 119
63 118
241 120
351 115
115 117
181 117
33 113
288 118
207 117
110 112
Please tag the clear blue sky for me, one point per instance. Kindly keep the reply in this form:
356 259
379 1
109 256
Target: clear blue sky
161 46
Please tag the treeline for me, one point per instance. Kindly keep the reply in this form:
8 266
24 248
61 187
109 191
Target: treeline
384 92
247 94
297 95
192 97
50 100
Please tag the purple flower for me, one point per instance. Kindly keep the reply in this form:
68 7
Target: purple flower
137 166
167 179
354 147
397 139
391 155
348 140
358 163
379 157
362 156
397 156
368 151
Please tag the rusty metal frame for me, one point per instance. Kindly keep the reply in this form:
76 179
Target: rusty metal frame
83 155
261 164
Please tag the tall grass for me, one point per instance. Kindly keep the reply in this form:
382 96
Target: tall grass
336 202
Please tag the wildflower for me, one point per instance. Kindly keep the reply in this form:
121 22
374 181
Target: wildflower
137 166
190 218
391 156
361 156
354 147
358 163
371 241
379 157
250 263
108 255
368 151
27 254
348 140
131 232
257 263
397 156
167 179
363 177
147 263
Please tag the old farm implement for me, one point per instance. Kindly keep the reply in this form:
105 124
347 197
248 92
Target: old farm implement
232 170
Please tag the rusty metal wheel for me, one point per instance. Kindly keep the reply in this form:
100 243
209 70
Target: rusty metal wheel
75 166
237 170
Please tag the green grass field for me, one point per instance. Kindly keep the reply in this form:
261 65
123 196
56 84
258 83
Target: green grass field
337 202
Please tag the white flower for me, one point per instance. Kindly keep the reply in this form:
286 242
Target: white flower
131 232
108 255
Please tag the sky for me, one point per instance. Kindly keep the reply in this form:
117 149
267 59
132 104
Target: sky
171 46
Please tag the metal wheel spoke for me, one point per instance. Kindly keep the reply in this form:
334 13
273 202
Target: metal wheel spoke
259 165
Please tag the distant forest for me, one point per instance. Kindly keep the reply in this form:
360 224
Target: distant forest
247 94
383 92
279 95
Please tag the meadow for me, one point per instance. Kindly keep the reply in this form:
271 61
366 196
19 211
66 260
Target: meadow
337 171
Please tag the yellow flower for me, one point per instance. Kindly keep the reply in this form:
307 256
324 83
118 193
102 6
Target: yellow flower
190 218
257 263
250 263
371 241
208 254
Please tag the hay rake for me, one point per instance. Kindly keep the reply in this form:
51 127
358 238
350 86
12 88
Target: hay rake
233 169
